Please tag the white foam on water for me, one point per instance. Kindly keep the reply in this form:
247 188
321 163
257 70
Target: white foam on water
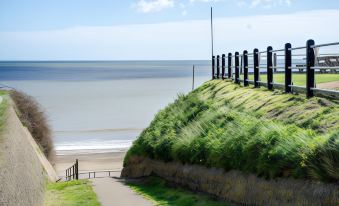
86 147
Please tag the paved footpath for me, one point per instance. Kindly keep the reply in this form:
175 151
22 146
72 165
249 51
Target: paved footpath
113 192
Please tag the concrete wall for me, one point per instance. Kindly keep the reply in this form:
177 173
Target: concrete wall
23 168
235 186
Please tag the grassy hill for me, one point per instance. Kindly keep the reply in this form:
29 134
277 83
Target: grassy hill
225 125
3 105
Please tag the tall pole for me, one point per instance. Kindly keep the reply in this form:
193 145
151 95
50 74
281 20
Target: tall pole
212 35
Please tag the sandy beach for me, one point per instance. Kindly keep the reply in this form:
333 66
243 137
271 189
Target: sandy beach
90 162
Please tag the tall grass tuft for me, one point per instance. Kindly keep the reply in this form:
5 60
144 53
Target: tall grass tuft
3 106
33 117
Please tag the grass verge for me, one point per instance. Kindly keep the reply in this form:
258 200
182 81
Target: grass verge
3 106
72 193
162 194
257 131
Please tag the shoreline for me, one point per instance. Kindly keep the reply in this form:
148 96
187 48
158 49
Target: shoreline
99 161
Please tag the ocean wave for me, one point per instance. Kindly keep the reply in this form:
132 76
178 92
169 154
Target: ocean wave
102 130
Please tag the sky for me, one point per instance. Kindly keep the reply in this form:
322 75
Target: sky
158 29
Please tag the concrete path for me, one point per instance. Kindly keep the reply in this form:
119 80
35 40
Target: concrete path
113 192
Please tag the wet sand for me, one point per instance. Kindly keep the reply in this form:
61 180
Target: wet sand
90 162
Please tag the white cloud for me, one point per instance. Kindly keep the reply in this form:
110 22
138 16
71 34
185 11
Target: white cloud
174 40
192 1
268 3
147 6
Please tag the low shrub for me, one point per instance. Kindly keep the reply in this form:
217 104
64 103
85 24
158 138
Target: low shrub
33 117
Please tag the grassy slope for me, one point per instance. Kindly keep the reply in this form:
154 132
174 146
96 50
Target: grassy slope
3 106
300 79
73 193
252 130
164 195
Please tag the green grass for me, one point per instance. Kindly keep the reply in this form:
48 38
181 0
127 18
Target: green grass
161 194
72 193
267 133
3 106
300 79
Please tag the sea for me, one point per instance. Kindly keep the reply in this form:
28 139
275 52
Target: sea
101 106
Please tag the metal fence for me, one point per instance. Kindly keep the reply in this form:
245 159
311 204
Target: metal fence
72 173
312 65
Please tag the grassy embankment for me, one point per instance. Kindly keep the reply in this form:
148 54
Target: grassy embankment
3 106
161 194
72 193
300 79
267 133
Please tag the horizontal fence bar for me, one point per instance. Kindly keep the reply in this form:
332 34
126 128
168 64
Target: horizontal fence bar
328 54
295 86
326 93
296 48
277 67
297 67
336 68
325 90
277 50
322 45
279 84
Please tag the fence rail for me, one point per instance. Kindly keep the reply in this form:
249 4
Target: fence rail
72 173
93 174
311 65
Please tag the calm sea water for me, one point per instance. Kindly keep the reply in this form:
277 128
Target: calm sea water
101 106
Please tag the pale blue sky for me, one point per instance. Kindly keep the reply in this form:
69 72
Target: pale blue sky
96 29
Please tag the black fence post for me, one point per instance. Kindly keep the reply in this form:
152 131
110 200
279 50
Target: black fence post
310 61
288 70
73 172
76 169
223 66
269 68
213 67
236 62
245 57
218 66
256 67
229 65
275 62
